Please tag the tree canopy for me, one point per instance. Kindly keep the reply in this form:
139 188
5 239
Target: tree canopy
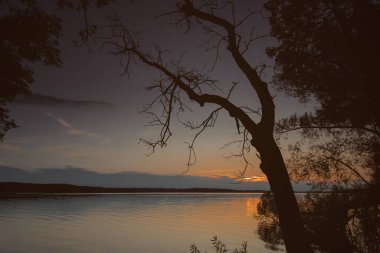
27 35
329 51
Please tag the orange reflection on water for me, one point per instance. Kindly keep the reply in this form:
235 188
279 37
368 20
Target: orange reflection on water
251 206
125 223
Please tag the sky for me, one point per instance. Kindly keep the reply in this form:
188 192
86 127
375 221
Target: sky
86 114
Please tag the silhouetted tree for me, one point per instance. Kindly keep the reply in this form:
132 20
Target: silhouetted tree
333 219
178 81
27 35
328 52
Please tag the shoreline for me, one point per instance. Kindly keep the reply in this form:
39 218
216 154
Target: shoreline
17 188
34 188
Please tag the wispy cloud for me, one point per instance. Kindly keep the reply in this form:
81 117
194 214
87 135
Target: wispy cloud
255 179
54 149
39 99
10 148
60 120
71 130
217 173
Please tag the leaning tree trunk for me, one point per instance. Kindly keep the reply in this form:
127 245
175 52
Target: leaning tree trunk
272 164
262 133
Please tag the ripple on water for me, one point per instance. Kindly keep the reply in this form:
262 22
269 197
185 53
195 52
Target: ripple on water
126 223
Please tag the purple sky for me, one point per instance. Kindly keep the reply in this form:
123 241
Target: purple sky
87 114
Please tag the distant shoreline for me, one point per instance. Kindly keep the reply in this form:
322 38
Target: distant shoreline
34 188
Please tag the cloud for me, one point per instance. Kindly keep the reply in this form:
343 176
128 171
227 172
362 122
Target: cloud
71 130
84 177
256 179
39 99
60 120
10 148
60 148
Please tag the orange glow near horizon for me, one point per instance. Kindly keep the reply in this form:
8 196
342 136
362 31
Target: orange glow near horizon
229 174
256 179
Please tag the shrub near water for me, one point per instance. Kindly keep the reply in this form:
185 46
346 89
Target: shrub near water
220 247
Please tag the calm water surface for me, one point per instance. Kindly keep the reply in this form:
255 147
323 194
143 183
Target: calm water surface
123 223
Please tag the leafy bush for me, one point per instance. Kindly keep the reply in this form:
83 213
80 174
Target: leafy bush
220 247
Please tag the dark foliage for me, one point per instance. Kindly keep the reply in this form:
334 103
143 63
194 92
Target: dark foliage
329 51
220 247
337 221
27 35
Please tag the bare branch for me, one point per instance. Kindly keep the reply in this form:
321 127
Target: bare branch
244 148
260 87
208 122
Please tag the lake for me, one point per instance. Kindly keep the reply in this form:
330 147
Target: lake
128 223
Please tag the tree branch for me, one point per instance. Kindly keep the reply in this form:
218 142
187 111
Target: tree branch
260 87
201 99
373 131
349 167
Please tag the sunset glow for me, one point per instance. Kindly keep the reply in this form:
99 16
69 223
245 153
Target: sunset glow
256 179
86 115
195 126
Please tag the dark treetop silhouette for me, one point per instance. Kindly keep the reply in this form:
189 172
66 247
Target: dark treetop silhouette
27 35
331 55
328 50
178 80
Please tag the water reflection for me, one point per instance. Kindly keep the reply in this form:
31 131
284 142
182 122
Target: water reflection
128 223
268 223
251 206
336 222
